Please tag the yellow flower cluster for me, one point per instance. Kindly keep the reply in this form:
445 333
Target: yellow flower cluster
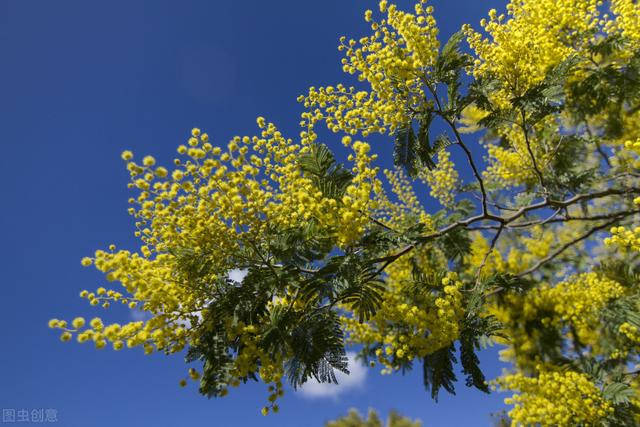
624 238
630 125
393 60
633 145
510 162
630 331
479 249
442 180
576 302
517 256
251 358
358 195
407 210
506 166
401 187
409 326
470 117
559 399
536 36
402 329
627 22
535 246
627 157
151 335
214 204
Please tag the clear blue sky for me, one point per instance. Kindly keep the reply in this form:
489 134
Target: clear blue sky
82 80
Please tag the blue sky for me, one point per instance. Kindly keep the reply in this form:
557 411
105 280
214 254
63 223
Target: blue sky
83 80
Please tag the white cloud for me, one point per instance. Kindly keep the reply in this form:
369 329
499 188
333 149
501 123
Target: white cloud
237 275
354 381
139 315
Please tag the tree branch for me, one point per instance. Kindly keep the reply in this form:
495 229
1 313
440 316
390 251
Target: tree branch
567 245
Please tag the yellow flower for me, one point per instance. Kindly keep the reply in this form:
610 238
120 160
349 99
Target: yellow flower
555 398
161 172
96 323
148 161
393 61
193 374
78 322
442 180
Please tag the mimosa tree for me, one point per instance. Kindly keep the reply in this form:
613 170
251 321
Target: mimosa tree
535 244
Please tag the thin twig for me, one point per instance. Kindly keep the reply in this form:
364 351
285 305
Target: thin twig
567 245
503 222
533 158
461 143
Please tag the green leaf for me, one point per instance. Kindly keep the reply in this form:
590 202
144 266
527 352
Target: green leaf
620 271
455 244
327 175
452 46
300 245
425 151
405 148
363 295
471 363
448 69
476 332
441 143
618 392
317 343
437 371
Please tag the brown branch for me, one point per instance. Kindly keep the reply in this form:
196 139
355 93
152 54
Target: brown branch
494 204
567 245
571 201
503 222
573 218
266 262
461 143
388 260
533 158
